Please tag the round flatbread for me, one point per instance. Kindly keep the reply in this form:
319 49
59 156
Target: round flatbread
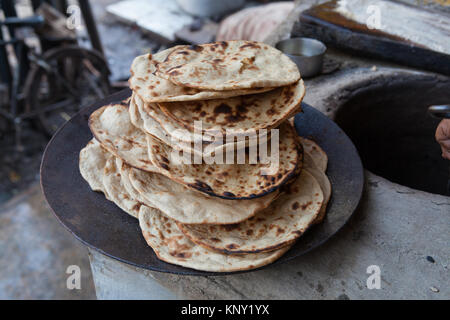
112 127
285 220
228 65
308 161
98 168
92 161
325 186
147 124
319 156
233 181
310 165
116 191
143 121
174 129
172 246
125 180
239 115
151 88
189 206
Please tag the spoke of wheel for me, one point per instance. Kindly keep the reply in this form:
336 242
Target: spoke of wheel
67 85
91 68
93 85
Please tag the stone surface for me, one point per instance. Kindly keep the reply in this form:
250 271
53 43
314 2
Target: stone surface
35 251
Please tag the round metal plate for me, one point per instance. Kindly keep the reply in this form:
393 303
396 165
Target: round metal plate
101 225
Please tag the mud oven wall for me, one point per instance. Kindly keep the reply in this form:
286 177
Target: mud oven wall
384 112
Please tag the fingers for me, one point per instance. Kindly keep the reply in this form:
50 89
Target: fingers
443 131
445 147
445 144
443 137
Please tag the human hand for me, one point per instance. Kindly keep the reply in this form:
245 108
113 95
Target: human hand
443 137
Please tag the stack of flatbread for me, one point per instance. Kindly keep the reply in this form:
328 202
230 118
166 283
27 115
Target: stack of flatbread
204 200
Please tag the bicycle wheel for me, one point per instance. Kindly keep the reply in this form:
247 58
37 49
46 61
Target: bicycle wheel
65 80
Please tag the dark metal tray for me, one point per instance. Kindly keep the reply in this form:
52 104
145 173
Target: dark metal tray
101 225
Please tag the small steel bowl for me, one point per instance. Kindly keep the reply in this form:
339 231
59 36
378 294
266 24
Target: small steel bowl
307 54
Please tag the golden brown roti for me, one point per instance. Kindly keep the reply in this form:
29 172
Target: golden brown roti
319 156
325 185
155 89
310 165
228 65
112 127
170 126
172 246
285 220
98 168
116 190
239 115
232 181
143 121
190 206
92 161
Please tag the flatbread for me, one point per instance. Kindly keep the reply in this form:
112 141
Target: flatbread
232 181
97 167
125 180
285 220
116 191
311 166
319 156
143 121
174 129
325 186
308 161
112 127
172 246
92 161
228 65
155 89
239 115
189 206
147 124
